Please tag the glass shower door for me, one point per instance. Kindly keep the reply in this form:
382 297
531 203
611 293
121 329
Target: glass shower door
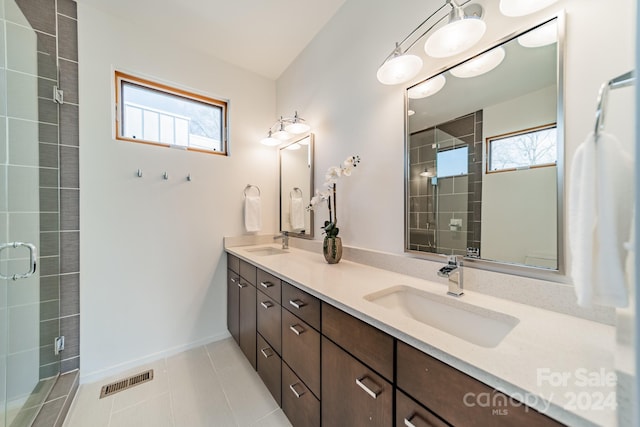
24 384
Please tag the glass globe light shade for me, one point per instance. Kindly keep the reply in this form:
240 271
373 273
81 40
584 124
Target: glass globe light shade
523 7
541 36
298 127
399 69
427 88
270 141
455 37
480 64
282 135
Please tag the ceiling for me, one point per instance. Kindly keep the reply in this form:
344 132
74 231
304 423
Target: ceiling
263 36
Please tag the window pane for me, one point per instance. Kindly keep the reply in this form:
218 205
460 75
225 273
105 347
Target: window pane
452 162
526 149
157 114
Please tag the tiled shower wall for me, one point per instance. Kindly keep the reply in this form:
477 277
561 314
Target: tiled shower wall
55 23
433 203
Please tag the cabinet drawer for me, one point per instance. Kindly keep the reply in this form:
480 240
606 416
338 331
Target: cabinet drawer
352 394
298 403
301 350
248 272
452 394
269 320
233 263
270 368
372 346
303 305
269 284
411 414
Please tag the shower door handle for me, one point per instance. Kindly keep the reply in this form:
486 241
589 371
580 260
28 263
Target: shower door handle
33 255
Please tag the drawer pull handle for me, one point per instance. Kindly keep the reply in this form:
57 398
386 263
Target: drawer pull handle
416 421
297 329
266 304
297 303
367 389
293 389
266 285
242 285
233 280
267 352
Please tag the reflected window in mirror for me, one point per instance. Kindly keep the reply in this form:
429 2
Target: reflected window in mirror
484 157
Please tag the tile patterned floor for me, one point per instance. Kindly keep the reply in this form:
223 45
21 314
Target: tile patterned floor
210 386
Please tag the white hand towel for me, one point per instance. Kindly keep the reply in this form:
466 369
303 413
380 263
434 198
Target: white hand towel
297 213
599 216
252 213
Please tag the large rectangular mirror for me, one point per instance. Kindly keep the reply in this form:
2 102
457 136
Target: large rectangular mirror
296 187
484 156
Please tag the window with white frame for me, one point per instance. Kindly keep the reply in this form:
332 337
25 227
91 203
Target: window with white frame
528 148
158 114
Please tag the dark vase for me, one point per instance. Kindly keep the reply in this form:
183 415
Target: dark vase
332 249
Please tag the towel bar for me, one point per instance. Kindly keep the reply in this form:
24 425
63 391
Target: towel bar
248 187
296 190
626 79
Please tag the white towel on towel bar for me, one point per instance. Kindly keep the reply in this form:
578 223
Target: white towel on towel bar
252 213
297 213
599 216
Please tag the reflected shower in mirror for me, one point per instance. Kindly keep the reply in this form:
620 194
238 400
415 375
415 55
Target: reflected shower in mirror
296 184
484 151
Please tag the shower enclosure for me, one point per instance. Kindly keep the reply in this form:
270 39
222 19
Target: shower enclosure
29 217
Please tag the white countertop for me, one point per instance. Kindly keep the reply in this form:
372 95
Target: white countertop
555 363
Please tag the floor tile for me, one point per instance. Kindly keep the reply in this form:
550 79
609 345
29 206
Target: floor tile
88 409
155 412
275 419
159 385
201 405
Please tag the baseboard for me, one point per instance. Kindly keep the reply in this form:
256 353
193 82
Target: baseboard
91 377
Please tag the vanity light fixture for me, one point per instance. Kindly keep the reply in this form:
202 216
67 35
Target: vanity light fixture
427 88
480 64
464 29
284 129
523 7
541 36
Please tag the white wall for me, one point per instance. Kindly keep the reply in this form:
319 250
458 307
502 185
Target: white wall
519 209
333 85
152 262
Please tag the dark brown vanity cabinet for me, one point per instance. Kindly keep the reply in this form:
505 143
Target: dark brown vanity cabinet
458 398
326 367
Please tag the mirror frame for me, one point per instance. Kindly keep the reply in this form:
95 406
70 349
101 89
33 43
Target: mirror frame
310 162
554 275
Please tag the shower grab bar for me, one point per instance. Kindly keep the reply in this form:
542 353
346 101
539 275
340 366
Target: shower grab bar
33 255
623 80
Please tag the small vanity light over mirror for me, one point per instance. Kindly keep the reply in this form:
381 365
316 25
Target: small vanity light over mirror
523 7
427 88
480 64
284 129
463 30
542 36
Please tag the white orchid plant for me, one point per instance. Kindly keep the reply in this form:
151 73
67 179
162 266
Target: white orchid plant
331 178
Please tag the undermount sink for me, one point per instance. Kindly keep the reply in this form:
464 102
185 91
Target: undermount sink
266 250
477 325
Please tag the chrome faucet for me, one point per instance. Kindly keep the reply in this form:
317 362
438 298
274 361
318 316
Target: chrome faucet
285 239
453 270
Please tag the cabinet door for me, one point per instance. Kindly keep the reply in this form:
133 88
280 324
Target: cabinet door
248 321
352 394
269 320
298 403
233 305
269 368
301 350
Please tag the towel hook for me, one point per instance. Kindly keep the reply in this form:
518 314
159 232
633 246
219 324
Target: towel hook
295 190
250 186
